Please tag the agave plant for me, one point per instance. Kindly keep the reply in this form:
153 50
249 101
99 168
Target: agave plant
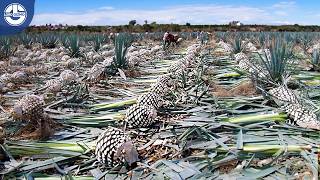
6 48
262 40
48 40
238 45
121 43
64 40
305 41
276 62
316 60
73 45
26 40
97 41
222 36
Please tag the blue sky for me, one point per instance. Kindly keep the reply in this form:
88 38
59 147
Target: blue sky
115 12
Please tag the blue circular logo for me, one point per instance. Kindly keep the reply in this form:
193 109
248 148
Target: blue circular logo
15 14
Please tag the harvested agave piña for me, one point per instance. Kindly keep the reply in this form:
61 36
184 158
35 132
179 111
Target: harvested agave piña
138 116
6 78
96 72
160 88
301 116
54 85
165 79
114 147
150 99
29 107
68 76
176 67
19 77
284 94
226 47
240 56
245 65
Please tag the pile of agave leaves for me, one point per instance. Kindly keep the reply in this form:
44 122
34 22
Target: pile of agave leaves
215 125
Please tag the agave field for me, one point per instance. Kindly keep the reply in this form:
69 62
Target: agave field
226 105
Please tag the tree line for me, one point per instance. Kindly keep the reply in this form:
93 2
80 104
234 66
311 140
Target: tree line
132 26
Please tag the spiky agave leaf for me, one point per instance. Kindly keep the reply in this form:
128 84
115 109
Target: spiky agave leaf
64 40
222 36
74 46
6 48
262 40
48 40
121 42
98 39
305 40
276 64
238 45
316 59
247 119
26 40
115 105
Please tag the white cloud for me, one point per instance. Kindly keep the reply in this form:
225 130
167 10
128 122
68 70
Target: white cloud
283 22
106 8
194 14
285 4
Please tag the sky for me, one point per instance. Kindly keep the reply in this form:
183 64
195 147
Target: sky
119 12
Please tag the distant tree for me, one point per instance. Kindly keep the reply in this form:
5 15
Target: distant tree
153 23
80 27
188 24
132 22
145 21
147 27
175 27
